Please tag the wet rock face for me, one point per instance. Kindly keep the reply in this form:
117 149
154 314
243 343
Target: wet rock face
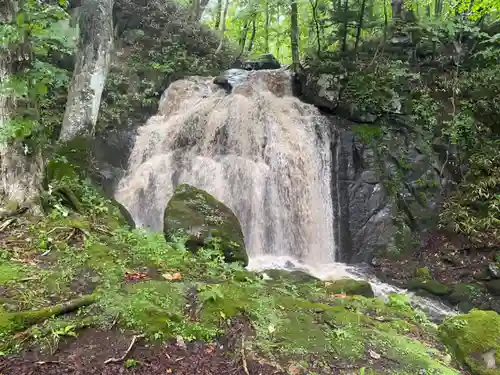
194 212
373 186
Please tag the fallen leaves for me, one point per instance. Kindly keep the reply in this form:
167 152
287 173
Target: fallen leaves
134 276
294 370
374 354
341 296
176 276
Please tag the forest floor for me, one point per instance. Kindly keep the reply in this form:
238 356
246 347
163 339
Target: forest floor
87 355
193 314
450 260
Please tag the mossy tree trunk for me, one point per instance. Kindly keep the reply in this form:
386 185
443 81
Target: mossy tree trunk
92 66
20 166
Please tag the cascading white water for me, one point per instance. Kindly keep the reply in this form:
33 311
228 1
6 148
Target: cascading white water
259 150
263 153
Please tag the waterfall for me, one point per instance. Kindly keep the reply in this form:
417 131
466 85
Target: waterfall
258 149
263 153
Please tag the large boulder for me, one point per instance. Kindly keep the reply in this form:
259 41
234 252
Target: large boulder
350 287
201 217
474 339
262 62
322 89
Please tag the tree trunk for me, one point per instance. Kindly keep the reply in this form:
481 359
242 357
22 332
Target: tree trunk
266 30
295 36
438 8
20 167
217 16
314 7
397 9
346 25
92 65
197 9
252 36
360 25
243 38
386 21
223 28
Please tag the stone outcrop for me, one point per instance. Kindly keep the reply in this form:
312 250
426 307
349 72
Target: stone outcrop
197 214
386 187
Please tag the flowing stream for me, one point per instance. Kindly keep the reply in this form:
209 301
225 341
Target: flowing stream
259 150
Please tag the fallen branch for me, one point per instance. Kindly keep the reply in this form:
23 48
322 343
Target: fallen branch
19 321
102 230
6 223
54 229
47 362
243 358
71 234
122 358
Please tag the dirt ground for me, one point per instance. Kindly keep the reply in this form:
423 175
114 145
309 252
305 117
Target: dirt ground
450 260
87 354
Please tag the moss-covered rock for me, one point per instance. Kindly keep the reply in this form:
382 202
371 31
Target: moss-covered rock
423 273
194 212
462 293
475 340
262 62
494 287
350 287
431 286
291 276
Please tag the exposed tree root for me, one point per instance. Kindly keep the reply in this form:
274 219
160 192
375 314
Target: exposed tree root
130 347
243 357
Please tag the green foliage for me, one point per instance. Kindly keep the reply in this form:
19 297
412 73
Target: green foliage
34 83
162 47
474 209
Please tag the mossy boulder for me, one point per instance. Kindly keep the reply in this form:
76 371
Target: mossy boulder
432 286
464 294
423 273
291 276
474 339
494 287
350 287
197 214
262 62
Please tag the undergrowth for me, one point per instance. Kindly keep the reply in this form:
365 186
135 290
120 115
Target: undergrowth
145 285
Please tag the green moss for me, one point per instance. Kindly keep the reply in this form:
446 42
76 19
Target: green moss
494 287
154 307
202 217
472 335
11 322
431 286
423 273
411 355
11 272
290 276
351 287
464 293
